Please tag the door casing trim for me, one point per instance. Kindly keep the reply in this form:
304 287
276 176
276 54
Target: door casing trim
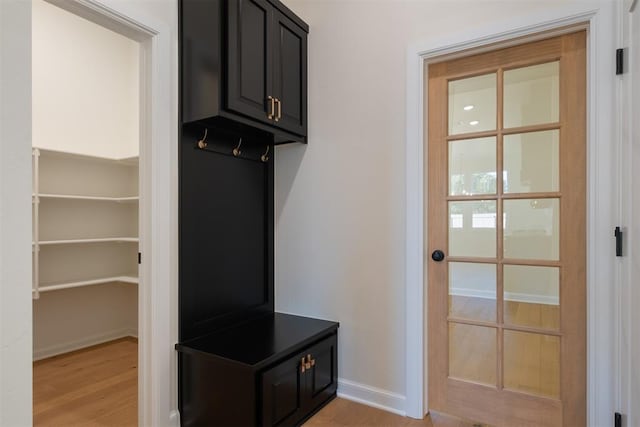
600 182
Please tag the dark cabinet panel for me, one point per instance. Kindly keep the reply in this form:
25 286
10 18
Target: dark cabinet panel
249 65
321 380
201 73
290 74
294 389
281 394
226 228
231 402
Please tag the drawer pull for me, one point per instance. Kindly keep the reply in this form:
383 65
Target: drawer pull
310 362
278 116
272 110
302 365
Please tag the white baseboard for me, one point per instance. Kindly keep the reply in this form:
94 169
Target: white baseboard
61 348
130 332
372 396
508 296
174 418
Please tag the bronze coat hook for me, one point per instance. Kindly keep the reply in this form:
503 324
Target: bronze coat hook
202 144
265 157
237 151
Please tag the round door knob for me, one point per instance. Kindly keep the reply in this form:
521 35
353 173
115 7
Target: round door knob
437 255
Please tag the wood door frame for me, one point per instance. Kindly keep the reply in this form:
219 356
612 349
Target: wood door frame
157 317
600 179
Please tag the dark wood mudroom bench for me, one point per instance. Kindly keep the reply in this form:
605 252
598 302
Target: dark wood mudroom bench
274 370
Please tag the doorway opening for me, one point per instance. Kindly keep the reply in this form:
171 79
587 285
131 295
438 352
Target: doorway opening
86 82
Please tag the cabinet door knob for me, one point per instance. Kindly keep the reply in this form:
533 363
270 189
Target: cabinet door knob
279 115
272 107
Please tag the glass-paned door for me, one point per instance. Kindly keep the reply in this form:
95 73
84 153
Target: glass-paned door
507 234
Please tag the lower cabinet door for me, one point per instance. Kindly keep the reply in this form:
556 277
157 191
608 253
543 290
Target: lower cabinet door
322 379
282 390
297 387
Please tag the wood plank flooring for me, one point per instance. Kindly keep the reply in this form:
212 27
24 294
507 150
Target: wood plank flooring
96 386
345 413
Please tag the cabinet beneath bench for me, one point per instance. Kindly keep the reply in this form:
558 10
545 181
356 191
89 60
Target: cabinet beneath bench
275 370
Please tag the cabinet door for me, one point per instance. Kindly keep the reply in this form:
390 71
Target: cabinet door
321 379
249 58
290 74
282 388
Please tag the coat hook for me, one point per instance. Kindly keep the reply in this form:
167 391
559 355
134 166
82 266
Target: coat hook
202 144
265 157
236 151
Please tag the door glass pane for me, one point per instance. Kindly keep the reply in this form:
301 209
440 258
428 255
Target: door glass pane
472 353
532 95
472 291
531 229
472 166
531 162
532 363
472 228
472 104
532 296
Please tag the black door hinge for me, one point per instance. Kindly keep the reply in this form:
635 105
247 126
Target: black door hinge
618 235
139 258
619 61
617 419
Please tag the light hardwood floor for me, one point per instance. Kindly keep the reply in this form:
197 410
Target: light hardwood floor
96 386
341 412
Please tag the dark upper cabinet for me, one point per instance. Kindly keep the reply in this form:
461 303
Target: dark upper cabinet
250 66
244 64
290 74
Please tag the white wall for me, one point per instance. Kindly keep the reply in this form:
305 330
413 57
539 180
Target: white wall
340 204
91 315
15 220
85 86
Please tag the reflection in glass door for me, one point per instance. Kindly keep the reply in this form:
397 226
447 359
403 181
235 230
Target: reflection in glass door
506 205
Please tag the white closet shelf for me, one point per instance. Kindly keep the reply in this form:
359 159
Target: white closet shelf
68 285
132 160
95 198
97 240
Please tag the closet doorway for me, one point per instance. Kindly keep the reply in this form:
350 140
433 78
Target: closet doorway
86 222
